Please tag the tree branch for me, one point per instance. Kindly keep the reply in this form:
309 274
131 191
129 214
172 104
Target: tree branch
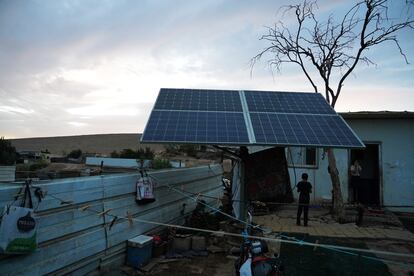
332 49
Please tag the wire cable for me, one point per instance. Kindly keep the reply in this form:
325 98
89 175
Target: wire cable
302 242
282 239
337 248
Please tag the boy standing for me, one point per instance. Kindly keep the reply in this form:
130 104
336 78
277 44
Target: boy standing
304 189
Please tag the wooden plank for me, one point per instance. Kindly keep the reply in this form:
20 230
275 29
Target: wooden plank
81 189
69 222
79 270
55 255
163 196
92 262
66 218
123 230
62 223
75 240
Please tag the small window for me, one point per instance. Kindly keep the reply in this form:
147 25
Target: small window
302 157
310 156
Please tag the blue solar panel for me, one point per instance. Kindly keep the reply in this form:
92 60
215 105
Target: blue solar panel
200 100
302 129
287 102
196 127
246 118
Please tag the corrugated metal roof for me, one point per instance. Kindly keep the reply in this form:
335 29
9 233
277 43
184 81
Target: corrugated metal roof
378 115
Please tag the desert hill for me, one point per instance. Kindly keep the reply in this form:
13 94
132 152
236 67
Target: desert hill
96 143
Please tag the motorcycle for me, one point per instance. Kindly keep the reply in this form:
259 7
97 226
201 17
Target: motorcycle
252 260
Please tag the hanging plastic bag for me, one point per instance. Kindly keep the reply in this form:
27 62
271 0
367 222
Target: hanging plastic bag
18 227
145 189
246 268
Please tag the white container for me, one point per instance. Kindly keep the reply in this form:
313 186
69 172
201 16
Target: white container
7 173
140 241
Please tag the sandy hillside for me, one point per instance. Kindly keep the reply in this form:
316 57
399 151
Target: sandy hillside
98 143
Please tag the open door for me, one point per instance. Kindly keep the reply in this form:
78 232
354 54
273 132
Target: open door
267 176
368 188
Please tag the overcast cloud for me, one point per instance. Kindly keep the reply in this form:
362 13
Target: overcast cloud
81 67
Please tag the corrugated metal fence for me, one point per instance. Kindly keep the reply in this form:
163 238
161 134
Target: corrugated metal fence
75 241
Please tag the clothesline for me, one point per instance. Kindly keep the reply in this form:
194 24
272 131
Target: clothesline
280 238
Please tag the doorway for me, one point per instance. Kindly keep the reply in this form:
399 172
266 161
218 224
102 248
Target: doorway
368 188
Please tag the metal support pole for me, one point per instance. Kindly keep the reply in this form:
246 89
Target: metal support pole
243 192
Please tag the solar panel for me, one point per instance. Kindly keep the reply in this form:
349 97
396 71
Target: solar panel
200 100
301 129
247 118
196 127
287 102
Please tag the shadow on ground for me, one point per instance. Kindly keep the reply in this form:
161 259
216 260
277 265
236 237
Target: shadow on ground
306 260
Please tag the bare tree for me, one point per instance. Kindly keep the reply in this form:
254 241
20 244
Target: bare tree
328 51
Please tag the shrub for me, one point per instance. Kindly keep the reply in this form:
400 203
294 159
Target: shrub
160 163
128 154
140 154
40 164
190 150
7 153
172 149
22 167
75 154
148 153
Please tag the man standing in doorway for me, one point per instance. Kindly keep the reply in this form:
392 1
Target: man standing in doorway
304 190
355 173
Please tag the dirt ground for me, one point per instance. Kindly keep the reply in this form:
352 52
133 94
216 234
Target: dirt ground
297 260
395 246
301 259
213 265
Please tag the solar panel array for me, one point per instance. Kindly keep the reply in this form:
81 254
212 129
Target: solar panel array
246 118
287 102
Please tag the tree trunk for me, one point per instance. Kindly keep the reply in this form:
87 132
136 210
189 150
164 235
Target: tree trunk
338 203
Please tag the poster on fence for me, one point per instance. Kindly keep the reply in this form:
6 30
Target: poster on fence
18 230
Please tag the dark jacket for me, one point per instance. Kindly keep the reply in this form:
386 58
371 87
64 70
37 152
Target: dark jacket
304 189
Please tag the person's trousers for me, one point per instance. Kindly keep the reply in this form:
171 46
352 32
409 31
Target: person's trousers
355 182
305 208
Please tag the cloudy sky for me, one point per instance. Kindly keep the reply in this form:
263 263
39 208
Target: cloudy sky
82 67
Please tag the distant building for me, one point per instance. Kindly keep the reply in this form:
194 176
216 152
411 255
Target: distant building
53 158
26 156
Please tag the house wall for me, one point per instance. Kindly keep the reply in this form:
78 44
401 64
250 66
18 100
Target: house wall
72 241
319 176
396 138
